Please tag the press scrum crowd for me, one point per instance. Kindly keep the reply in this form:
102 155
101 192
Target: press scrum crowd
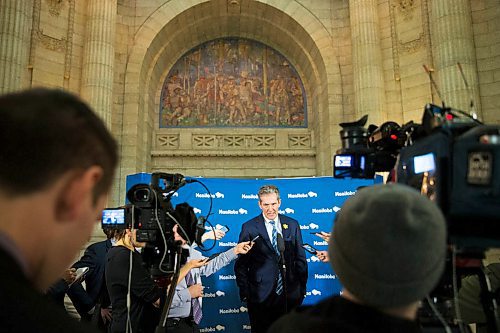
57 162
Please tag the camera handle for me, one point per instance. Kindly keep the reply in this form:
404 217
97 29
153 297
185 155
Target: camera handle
161 328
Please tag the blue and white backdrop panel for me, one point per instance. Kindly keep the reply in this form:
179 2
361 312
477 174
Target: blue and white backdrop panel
311 201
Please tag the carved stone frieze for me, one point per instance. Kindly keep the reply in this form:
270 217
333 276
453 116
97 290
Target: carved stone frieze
406 8
168 141
55 6
404 14
51 43
413 45
201 141
205 141
299 141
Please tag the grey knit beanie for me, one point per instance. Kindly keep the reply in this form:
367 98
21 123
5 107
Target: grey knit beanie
388 245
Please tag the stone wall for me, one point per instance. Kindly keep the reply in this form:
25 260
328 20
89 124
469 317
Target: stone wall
354 57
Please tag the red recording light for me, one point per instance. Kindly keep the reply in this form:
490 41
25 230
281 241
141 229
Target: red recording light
449 116
394 136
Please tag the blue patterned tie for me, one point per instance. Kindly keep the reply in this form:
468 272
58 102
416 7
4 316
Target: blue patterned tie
274 242
195 303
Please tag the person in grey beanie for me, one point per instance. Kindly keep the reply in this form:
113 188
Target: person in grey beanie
388 249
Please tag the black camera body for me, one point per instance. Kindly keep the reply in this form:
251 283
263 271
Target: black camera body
152 215
451 158
367 151
457 164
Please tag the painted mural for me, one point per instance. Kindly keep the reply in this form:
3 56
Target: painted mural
233 82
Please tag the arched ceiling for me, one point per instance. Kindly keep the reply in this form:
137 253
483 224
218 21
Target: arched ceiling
220 18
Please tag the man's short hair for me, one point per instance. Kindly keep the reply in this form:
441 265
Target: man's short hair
268 189
44 133
388 245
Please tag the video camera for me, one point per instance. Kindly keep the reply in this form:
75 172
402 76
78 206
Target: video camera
451 158
366 151
151 213
454 160
457 164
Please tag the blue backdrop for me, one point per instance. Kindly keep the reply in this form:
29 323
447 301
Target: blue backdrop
311 201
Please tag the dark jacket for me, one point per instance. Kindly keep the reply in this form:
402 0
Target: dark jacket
143 290
257 271
24 309
337 314
95 286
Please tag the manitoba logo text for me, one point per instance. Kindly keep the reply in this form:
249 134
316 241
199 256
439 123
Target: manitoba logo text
309 194
287 211
218 293
311 225
344 193
241 211
334 209
217 328
314 292
228 244
249 196
313 259
216 195
324 276
229 311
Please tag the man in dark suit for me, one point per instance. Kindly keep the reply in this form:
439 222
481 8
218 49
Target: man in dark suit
92 303
259 274
57 162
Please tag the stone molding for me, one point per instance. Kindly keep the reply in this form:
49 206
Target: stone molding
51 43
235 153
406 10
230 141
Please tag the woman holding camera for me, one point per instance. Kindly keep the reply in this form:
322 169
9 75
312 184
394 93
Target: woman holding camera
125 273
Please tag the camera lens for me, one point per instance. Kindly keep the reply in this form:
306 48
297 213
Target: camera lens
142 195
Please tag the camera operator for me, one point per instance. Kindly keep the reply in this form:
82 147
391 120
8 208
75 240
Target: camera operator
125 273
185 312
471 301
389 252
57 162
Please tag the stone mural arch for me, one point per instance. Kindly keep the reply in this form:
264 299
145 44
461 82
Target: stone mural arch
176 27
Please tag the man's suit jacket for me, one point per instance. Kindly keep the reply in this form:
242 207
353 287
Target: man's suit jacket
24 309
94 258
257 271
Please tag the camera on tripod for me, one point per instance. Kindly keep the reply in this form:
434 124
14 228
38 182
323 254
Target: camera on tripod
454 160
451 158
367 151
151 213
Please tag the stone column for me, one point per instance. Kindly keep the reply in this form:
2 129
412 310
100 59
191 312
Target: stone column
98 58
452 43
15 23
369 90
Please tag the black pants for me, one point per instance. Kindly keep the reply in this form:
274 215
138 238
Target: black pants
262 315
182 325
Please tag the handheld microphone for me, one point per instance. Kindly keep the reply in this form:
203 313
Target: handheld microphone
281 245
281 249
